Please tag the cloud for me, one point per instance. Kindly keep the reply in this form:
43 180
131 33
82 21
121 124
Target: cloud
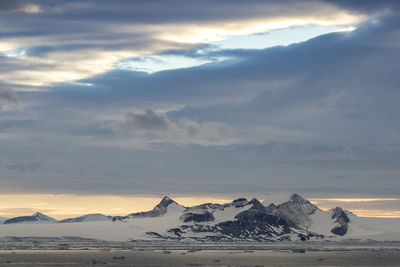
19 6
155 127
284 118
8 99
368 6
148 120
70 40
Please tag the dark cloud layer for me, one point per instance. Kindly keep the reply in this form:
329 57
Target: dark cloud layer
369 6
142 11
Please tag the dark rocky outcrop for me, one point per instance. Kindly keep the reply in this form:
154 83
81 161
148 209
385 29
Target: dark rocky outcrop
255 222
237 203
340 229
197 217
342 220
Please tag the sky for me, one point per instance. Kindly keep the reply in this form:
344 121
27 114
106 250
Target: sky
126 100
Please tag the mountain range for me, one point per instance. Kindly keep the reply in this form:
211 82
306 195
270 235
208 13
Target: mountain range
239 220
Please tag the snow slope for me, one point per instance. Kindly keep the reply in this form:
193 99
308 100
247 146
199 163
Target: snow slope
87 218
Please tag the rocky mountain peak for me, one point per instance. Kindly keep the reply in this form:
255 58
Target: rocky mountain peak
342 221
297 198
166 201
272 208
256 204
42 217
340 215
158 210
296 211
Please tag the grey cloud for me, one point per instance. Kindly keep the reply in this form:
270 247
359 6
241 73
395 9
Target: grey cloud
142 11
148 120
7 98
368 6
23 6
152 127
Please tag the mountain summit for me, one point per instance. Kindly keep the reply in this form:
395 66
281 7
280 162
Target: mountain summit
165 202
158 210
36 217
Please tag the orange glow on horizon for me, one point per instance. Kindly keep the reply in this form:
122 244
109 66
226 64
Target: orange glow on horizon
353 205
61 206
316 200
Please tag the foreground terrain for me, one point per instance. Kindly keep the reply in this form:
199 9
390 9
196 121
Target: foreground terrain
87 252
198 258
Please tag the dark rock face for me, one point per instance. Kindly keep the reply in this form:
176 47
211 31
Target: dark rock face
295 212
340 230
118 218
340 216
305 237
199 228
254 222
21 219
177 231
298 199
197 217
239 200
155 234
271 208
342 220
237 203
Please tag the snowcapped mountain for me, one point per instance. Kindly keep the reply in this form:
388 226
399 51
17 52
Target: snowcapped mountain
87 218
34 218
163 207
239 220
296 212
